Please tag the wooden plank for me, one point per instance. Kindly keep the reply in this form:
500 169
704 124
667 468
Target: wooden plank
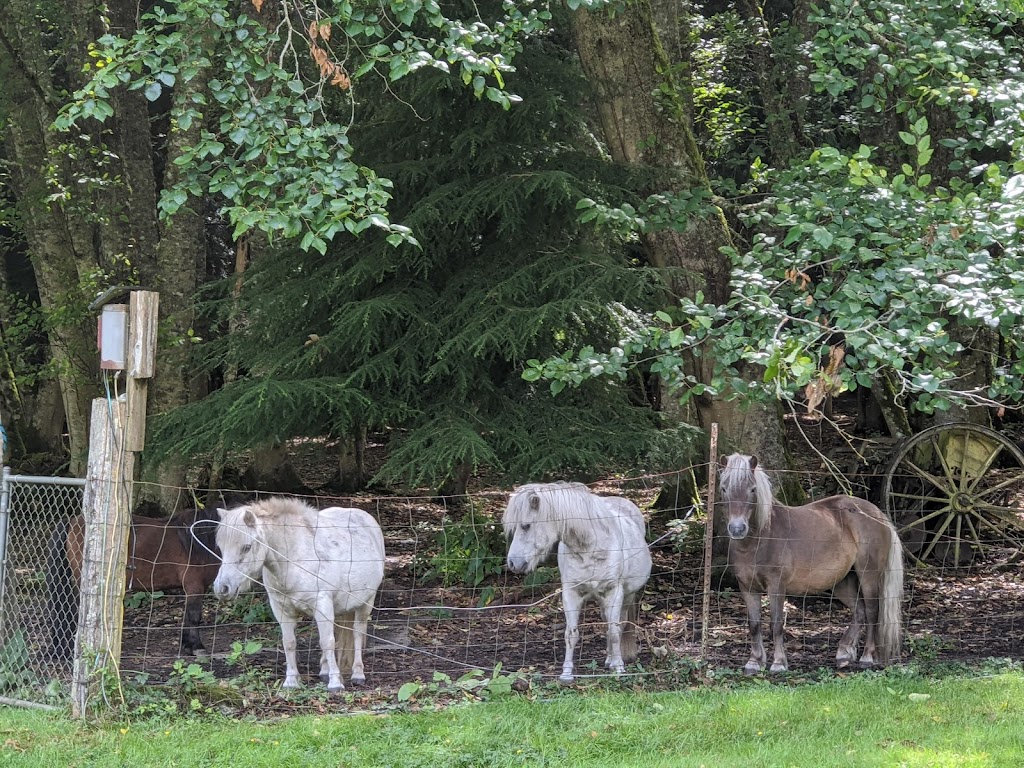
107 512
143 313
144 307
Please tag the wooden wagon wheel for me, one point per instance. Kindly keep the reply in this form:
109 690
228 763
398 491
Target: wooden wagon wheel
952 489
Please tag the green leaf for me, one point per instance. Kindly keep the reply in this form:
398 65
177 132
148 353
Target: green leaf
153 91
531 374
408 690
822 237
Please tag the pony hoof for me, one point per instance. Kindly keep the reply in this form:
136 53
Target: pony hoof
566 679
842 663
752 669
335 689
779 668
357 682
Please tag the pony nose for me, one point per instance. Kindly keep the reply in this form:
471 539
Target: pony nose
514 566
738 529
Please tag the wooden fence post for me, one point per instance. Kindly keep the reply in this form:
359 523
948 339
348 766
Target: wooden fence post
117 433
107 513
709 535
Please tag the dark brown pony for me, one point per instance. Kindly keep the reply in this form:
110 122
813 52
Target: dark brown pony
172 553
841 543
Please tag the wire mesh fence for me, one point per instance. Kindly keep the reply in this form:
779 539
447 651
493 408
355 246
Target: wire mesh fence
449 606
35 600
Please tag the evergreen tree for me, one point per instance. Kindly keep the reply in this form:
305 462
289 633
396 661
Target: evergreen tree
429 342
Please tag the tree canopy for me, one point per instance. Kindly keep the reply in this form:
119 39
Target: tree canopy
412 218
891 246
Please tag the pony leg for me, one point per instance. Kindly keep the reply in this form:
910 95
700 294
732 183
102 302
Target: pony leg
757 654
869 610
62 595
342 647
613 610
357 634
571 605
291 674
191 642
777 601
847 592
325 629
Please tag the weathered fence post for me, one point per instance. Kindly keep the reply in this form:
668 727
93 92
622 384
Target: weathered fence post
117 433
142 326
107 512
709 535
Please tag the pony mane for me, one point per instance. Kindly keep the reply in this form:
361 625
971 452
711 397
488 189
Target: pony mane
737 477
197 532
276 507
578 513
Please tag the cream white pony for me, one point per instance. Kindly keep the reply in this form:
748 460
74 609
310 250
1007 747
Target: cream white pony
326 564
602 555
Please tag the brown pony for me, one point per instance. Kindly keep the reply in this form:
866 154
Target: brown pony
172 553
841 543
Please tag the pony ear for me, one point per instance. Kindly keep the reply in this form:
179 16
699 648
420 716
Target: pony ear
723 461
534 501
221 512
753 463
249 518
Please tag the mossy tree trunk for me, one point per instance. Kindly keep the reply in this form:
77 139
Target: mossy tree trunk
89 225
645 123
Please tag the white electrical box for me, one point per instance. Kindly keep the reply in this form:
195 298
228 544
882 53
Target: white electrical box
113 337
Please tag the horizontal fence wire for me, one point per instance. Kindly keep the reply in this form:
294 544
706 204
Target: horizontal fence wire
449 605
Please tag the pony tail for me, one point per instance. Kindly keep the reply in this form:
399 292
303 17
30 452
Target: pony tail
629 618
890 602
344 641
61 595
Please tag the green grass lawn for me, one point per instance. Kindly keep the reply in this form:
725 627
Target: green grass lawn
863 720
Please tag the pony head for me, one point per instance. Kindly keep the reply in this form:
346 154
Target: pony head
532 524
746 495
242 551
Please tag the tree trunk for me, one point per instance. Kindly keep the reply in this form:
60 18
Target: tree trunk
775 88
59 238
645 123
174 271
107 227
351 461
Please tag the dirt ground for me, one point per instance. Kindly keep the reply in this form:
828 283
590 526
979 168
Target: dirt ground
421 627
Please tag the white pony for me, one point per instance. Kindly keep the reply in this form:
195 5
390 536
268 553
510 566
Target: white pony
602 555
327 564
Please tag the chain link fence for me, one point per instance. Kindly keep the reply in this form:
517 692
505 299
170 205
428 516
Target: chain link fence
33 612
